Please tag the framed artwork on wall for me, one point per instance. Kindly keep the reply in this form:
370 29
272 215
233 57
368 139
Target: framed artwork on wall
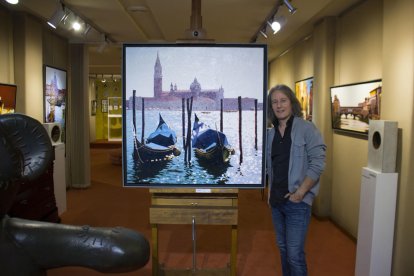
7 98
55 89
195 116
304 93
104 106
353 105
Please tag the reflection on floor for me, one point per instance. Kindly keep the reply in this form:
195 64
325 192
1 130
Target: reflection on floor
107 203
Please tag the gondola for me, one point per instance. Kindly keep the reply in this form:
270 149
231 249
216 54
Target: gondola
159 146
210 146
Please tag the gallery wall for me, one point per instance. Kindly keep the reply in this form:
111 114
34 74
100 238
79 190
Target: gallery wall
293 65
28 65
6 47
373 40
358 58
25 47
349 153
398 79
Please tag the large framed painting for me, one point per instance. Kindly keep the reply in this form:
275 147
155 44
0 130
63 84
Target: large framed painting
353 105
55 83
194 116
304 93
7 98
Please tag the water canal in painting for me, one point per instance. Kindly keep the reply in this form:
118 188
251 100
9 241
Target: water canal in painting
249 172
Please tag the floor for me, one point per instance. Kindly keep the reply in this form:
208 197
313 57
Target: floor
106 203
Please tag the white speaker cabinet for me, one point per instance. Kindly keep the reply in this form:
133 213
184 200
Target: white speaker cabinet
54 130
382 145
59 177
376 223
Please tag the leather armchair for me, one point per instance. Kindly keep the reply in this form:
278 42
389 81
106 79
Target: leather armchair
30 247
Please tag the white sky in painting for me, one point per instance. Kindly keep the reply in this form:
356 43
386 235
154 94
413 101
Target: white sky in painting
60 77
352 95
238 70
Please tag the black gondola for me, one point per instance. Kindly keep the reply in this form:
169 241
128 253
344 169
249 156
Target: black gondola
210 146
159 146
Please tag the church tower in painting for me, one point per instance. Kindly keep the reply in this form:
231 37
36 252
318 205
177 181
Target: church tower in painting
157 78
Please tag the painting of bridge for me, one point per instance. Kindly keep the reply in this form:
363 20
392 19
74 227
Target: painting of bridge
354 105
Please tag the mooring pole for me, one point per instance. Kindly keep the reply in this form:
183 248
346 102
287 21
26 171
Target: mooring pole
134 92
255 123
183 127
221 115
143 120
240 129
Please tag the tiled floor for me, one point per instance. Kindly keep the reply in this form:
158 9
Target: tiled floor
107 203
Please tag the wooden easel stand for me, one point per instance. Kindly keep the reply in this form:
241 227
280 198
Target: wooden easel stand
194 206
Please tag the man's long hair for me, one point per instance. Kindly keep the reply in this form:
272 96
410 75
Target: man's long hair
296 108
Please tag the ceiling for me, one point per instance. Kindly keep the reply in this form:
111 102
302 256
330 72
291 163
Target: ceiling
224 21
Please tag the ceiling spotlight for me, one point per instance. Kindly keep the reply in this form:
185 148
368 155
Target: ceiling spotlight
57 17
103 44
102 47
76 25
291 9
275 26
263 33
87 29
13 2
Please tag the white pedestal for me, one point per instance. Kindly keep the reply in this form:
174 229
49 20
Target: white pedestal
376 223
59 177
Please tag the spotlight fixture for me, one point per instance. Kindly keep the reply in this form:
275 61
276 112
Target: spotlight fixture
103 44
57 17
13 2
263 33
87 29
274 25
102 47
273 21
76 25
291 8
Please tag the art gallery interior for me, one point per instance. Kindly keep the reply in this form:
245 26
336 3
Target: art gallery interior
336 43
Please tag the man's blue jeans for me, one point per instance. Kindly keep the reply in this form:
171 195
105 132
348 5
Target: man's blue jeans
291 221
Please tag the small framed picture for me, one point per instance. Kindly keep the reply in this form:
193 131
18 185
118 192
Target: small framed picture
104 106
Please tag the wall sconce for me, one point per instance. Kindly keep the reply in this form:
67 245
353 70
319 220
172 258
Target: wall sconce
291 9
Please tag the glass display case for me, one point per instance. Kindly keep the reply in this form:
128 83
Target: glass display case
114 119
